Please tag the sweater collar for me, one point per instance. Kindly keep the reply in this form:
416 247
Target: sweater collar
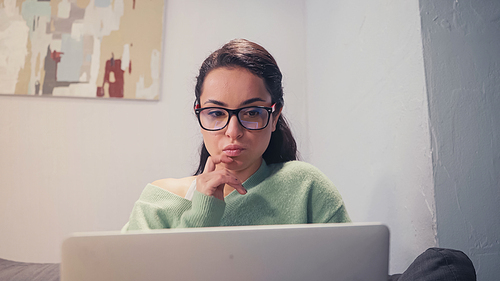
262 173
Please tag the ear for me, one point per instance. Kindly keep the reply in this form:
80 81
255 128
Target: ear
276 115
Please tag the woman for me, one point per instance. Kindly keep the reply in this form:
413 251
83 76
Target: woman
246 174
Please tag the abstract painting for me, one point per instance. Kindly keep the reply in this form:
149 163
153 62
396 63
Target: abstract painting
81 48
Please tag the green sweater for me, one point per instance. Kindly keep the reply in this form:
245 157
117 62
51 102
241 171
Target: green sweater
285 193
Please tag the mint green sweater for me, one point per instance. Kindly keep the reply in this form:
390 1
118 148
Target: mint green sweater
286 193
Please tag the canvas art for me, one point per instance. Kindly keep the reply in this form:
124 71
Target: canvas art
81 48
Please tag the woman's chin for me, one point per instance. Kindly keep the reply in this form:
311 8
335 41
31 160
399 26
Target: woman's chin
236 163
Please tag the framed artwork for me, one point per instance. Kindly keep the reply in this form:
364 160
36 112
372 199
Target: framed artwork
81 48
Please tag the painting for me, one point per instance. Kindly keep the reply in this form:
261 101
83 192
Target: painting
81 48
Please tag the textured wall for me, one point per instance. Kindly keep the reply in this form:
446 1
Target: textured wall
462 61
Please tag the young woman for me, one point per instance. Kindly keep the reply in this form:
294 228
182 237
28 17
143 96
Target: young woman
247 174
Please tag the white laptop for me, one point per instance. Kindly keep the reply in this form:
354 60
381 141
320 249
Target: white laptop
278 252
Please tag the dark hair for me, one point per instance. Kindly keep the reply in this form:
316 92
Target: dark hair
253 57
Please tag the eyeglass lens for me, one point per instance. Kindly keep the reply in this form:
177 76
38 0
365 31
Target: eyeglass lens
252 118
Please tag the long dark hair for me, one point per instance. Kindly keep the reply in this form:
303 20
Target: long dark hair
253 57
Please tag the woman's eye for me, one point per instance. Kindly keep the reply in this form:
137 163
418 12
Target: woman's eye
252 113
216 113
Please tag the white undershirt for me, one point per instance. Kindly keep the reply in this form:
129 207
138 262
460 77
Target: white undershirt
190 192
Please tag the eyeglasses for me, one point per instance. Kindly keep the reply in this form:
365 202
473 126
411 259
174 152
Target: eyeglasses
250 117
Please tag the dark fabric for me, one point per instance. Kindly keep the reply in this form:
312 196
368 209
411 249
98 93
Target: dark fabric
439 264
22 271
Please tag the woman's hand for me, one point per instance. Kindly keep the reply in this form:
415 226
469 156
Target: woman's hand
212 182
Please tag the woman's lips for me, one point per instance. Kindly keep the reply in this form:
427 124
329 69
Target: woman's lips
233 150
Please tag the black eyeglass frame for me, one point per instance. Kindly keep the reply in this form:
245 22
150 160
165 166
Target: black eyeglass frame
236 112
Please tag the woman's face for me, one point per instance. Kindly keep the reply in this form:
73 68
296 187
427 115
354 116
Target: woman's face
233 88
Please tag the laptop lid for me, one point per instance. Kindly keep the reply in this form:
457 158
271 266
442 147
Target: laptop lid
277 252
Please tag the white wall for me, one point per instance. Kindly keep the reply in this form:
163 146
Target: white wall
368 116
69 165
462 61
355 96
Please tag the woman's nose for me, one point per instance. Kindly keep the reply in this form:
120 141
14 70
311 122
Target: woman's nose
234 129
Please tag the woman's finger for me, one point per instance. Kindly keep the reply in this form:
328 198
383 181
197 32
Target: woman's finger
209 165
229 179
240 188
218 178
213 161
212 183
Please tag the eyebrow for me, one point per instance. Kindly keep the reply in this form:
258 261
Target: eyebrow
250 101
247 102
216 102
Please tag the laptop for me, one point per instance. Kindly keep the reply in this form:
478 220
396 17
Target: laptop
278 252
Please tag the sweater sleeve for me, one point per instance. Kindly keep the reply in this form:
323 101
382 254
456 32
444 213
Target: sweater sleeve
158 208
325 204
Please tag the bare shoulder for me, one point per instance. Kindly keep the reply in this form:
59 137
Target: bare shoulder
176 186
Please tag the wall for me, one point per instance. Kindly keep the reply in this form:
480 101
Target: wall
71 165
461 42
368 116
